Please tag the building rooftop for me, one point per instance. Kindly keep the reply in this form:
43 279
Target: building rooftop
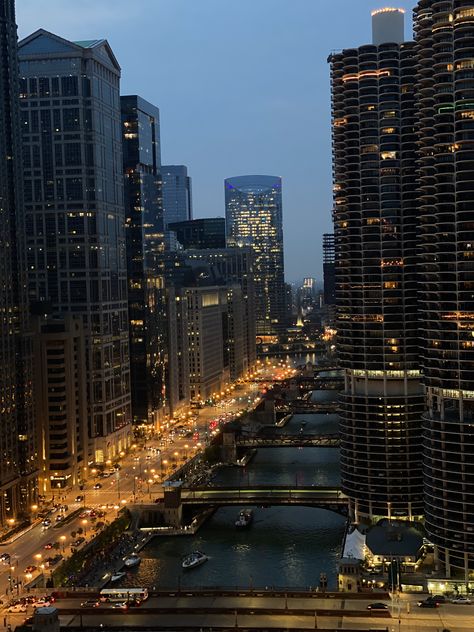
394 538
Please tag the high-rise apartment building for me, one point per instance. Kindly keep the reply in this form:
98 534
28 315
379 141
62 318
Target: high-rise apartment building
254 219
375 216
18 462
444 34
74 212
145 247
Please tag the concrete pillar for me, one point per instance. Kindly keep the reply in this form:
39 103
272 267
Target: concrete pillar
229 447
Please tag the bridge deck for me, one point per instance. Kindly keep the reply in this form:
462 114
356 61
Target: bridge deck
281 440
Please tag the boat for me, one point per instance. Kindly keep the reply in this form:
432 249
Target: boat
132 560
196 558
245 519
116 576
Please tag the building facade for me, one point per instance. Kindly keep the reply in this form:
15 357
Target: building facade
61 403
145 246
329 269
177 198
74 212
18 449
444 34
375 216
254 219
202 233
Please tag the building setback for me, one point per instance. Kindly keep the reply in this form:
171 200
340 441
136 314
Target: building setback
375 221
444 34
145 247
73 187
18 457
254 219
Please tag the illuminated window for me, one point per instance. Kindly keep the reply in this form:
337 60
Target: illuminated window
388 155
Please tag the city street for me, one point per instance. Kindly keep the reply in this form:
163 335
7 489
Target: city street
138 480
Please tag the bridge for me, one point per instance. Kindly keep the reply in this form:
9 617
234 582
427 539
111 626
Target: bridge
302 406
280 440
330 498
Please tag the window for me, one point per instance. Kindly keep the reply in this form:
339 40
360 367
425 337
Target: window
69 86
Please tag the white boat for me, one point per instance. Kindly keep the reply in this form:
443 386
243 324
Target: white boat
245 519
132 560
196 558
116 576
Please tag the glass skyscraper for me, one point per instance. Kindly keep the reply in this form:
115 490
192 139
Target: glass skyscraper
74 212
254 219
177 198
18 463
145 246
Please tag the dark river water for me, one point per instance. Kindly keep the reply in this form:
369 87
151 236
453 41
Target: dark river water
284 547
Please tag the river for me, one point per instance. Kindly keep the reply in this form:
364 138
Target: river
284 547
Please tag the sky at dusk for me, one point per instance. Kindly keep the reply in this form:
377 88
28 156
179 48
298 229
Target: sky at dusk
242 87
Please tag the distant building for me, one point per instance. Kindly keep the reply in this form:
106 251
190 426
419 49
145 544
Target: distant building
329 269
254 219
61 403
18 449
200 234
145 268
177 198
74 213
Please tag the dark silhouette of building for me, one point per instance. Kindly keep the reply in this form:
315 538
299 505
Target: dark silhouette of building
375 223
444 34
208 232
18 464
145 267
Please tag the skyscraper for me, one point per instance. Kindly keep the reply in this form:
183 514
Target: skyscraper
444 33
18 464
375 221
73 187
207 232
145 247
177 198
254 219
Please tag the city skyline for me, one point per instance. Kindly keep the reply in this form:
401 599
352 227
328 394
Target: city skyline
208 129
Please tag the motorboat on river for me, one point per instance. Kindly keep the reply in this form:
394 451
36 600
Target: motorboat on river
132 560
196 558
244 519
116 576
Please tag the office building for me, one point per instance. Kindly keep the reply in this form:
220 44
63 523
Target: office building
18 463
61 403
235 266
74 212
177 199
254 219
444 34
145 246
203 233
375 221
329 269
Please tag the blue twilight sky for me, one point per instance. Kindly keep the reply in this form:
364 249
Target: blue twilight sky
242 86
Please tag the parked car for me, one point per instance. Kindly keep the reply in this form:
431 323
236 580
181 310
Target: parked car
461 599
438 598
377 606
19 607
5 557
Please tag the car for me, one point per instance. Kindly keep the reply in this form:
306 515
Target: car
5 557
461 599
30 569
438 598
122 605
428 603
90 603
79 498
48 546
79 541
19 607
377 606
46 523
98 486
104 475
41 603
59 517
